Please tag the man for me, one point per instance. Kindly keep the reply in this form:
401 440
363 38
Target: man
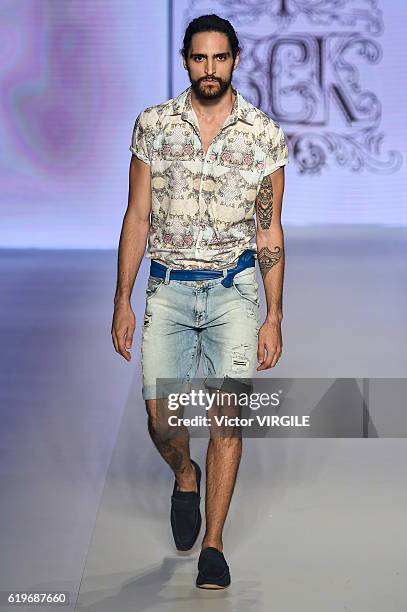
203 163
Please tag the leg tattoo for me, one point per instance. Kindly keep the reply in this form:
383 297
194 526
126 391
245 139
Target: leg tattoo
172 444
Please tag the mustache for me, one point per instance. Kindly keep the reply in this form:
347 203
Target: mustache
211 79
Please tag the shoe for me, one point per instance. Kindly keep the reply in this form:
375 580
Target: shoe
185 514
213 570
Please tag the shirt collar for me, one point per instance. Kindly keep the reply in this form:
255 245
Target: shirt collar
242 109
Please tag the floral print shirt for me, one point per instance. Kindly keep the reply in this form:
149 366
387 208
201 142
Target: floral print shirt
203 205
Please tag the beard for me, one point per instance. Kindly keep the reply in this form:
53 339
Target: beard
204 91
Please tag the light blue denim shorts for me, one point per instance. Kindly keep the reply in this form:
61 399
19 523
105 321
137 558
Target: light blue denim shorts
187 320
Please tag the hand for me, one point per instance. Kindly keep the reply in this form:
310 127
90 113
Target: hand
270 340
123 326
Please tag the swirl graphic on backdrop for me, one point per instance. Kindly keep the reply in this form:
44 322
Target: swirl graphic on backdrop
301 63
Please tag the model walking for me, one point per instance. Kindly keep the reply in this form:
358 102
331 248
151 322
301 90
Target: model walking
203 164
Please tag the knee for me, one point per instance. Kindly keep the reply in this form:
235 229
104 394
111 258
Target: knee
231 443
151 408
152 417
157 422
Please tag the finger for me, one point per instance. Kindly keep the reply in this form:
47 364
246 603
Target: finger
260 351
129 337
123 352
276 358
263 361
271 353
122 348
115 342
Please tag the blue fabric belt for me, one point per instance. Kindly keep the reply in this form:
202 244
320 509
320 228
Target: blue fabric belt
245 260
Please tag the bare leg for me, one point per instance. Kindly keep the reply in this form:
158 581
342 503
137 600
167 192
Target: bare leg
222 465
171 443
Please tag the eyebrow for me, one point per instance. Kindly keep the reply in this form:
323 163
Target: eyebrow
214 55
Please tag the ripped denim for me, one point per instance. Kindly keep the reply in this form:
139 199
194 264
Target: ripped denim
185 321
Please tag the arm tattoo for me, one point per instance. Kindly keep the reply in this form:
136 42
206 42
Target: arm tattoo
267 259
264 202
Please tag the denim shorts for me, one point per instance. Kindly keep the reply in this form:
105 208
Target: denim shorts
187 320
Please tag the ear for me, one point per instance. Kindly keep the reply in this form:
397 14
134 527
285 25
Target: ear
237 60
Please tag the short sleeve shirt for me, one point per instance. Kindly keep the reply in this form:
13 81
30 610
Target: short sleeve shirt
203 205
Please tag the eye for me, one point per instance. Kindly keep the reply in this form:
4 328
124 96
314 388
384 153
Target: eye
198 58
222 57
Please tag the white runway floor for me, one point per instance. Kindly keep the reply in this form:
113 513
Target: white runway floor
315 524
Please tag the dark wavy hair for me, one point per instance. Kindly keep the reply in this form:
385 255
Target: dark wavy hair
210 23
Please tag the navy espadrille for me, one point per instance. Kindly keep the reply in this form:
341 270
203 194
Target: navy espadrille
213 569
186 514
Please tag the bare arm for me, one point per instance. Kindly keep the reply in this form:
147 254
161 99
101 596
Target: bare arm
133 239
270 250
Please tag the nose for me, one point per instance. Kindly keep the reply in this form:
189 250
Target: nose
209 67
